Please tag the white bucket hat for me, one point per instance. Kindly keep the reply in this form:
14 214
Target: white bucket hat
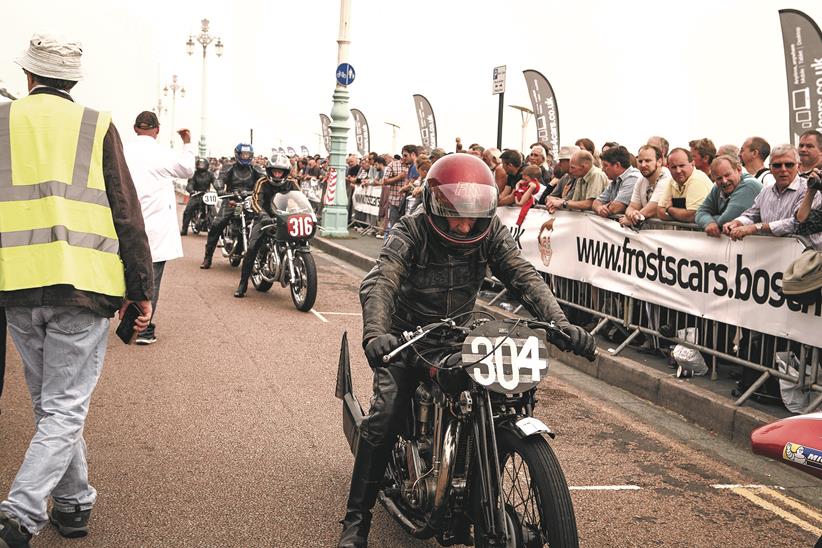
53 57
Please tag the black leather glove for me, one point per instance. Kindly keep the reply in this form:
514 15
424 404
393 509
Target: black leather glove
581 342
378 347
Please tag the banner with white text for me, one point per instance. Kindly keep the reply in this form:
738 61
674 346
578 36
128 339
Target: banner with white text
733 282
428 125
361 133
325 122
546 113
802 42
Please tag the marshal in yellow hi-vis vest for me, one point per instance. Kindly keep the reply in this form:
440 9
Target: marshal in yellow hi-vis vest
56 225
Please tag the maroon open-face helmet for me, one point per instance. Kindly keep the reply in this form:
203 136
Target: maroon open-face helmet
460 186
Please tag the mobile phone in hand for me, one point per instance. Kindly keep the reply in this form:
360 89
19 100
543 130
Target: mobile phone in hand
126 328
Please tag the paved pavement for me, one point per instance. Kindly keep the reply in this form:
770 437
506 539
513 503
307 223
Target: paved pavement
226 433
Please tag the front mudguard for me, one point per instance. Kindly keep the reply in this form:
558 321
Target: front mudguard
525 427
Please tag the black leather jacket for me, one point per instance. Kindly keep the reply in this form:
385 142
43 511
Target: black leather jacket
417 280
239 178
201 181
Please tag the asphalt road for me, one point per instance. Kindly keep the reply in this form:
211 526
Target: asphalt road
226 432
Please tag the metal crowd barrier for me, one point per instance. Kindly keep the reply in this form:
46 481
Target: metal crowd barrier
750 349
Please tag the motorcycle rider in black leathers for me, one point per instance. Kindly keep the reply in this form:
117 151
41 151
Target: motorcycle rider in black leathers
431 267
200 183
275 181
240 178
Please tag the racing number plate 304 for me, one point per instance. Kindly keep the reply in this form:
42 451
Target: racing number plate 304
505 357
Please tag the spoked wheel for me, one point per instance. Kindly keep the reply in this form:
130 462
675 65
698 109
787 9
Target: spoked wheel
304 284
535 494
256 277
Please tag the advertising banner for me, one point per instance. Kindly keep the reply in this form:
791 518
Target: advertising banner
367 199
361 132
546 113
719 279
802 42
428 125
326 125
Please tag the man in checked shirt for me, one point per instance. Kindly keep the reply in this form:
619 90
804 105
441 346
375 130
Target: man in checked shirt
395 178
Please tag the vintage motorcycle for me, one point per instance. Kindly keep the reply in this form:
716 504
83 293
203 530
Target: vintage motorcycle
284 254
204 215
471 451
234 239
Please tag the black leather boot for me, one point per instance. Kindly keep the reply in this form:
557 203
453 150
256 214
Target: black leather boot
369 470
242 288
209 252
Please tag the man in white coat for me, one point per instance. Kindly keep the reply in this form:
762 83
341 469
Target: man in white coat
154 168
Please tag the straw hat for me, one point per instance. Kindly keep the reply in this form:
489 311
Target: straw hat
53 57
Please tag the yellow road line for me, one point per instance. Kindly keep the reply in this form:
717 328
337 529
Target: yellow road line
793 504
784 514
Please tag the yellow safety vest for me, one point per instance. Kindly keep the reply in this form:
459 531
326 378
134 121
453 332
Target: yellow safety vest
56 225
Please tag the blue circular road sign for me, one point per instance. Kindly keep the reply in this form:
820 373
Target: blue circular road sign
345 74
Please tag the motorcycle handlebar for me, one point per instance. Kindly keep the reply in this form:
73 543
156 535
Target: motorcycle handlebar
421 332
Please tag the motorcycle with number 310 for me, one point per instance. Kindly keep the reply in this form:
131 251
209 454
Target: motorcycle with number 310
471 452
284 254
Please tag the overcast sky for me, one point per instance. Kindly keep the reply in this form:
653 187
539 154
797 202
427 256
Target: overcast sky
621 70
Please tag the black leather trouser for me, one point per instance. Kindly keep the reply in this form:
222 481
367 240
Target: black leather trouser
220 222
392 387
255 240
191 207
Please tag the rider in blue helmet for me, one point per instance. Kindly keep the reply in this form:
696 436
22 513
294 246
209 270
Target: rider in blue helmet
240 178
244 154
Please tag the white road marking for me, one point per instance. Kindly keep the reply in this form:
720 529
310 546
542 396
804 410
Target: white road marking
739 485
341 313
605 488
320 316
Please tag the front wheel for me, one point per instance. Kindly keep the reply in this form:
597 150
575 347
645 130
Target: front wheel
535 494
304 284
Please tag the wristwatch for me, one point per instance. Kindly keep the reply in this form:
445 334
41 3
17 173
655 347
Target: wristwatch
564 204
758 227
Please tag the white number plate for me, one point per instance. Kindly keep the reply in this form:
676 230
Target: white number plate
506 360
210 198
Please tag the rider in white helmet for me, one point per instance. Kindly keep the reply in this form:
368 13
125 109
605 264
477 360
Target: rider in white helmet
276 180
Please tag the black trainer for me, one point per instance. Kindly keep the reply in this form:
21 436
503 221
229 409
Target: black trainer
12 534
70 524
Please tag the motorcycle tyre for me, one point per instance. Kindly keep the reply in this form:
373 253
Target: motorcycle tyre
304 305
557 512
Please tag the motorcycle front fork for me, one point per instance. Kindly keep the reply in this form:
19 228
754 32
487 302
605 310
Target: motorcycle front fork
489 474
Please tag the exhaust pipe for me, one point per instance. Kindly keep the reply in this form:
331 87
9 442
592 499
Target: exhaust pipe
352 411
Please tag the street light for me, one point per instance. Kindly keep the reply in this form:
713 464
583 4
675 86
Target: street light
174 86
335 214
204 38
526 114
394 128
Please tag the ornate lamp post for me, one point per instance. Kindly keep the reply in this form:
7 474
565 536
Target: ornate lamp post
204 38
335 213
174 86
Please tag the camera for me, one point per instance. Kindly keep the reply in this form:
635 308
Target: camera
814 179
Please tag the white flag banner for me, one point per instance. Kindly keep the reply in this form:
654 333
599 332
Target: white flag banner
367 199
719 279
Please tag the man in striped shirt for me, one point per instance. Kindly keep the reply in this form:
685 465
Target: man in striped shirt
775 206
